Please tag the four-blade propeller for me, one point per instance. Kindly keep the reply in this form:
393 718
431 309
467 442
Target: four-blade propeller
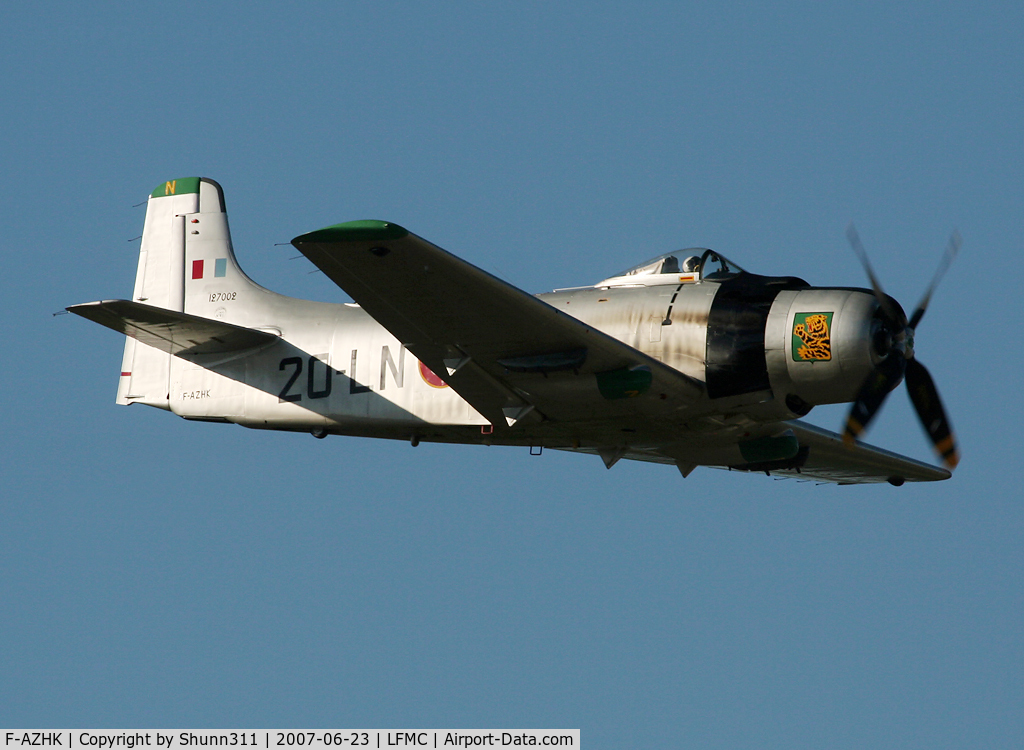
893 339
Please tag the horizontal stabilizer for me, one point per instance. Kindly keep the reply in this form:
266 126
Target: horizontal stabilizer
170 331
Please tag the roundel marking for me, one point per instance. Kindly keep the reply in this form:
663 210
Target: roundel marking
430 378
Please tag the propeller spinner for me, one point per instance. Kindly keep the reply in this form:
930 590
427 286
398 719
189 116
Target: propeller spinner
894 341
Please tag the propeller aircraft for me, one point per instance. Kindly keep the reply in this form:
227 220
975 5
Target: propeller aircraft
685 359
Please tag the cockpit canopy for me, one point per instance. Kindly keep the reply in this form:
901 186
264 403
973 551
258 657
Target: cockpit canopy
682 266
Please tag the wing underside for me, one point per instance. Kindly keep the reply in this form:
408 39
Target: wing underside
513 357
829 459
822 457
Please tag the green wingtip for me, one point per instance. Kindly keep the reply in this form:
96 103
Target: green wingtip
181 186
355 231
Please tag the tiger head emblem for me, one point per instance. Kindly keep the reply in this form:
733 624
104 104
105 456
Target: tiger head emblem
812 341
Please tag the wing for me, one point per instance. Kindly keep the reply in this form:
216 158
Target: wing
508 353
829 459
822 455
173 332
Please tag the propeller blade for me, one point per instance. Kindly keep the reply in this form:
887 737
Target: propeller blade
952 248
872 394
929 409
876 286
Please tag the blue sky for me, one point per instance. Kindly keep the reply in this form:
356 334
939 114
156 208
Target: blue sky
155 572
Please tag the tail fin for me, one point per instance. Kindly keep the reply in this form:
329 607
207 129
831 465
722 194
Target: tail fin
186 250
